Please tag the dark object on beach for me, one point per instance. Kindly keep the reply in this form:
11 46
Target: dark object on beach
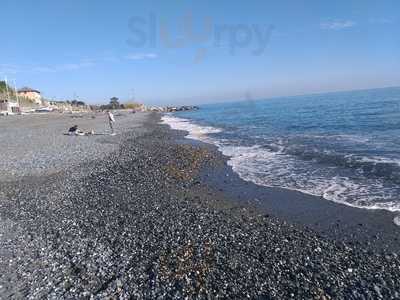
73 129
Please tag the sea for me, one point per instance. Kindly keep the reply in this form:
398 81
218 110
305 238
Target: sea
343 146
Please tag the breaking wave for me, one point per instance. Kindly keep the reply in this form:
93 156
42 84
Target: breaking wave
358 181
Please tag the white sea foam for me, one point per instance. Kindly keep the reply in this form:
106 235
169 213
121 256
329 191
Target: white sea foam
397 220
353 138
347 137
195 132
376 159
264 167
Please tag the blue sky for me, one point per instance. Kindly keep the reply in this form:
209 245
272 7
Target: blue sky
238 49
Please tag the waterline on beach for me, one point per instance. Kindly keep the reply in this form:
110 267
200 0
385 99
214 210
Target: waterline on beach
277 169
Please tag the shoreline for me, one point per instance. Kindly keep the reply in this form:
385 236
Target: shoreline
371 228
204 133
144 221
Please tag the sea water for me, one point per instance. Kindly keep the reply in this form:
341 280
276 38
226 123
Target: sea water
342 146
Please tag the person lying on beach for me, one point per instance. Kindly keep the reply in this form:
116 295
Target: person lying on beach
74 130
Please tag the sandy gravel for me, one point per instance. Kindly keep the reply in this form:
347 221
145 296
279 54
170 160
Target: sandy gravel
34 145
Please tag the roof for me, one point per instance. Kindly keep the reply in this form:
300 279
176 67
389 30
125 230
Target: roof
28 90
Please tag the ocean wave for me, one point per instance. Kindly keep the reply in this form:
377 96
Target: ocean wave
293 167
195 131
276 169
368 166
343 137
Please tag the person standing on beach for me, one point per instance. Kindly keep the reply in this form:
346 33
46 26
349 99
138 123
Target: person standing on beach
111 121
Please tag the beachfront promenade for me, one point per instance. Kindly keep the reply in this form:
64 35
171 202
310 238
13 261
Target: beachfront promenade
127 216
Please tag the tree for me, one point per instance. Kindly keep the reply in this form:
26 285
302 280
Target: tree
5 88
114 103
76 103
132 105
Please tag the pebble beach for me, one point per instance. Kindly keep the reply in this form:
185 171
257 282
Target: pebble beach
130 217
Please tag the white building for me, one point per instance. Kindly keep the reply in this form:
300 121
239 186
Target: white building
31 94
8 107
